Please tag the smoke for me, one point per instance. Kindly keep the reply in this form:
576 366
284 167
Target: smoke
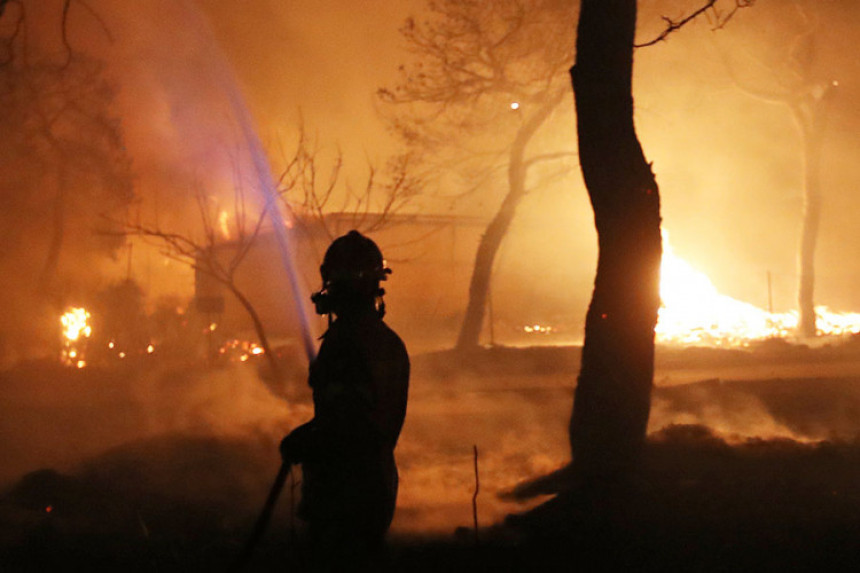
56 417
729 172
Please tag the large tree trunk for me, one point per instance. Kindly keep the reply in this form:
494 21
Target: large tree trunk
613 394
491 240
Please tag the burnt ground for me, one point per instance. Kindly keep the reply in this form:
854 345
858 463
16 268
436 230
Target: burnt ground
705 499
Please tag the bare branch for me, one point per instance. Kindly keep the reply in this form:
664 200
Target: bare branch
9 41
719 19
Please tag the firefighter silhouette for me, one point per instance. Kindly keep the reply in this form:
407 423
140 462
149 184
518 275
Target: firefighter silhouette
360 381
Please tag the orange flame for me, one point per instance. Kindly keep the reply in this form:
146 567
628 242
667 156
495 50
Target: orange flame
75 332
694 312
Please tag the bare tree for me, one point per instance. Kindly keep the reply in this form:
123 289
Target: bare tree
489 74
311 189
213 255
795 83
60 132
63 164
307 197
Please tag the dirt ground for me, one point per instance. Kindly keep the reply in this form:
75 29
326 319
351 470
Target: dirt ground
752 463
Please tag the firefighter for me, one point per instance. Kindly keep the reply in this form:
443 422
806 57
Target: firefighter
360 382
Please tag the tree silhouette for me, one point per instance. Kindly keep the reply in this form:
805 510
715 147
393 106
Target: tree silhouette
309 191
487 80
227 235
211 253
63 165
795 83
613 393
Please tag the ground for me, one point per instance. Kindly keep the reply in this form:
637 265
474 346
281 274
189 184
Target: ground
752 463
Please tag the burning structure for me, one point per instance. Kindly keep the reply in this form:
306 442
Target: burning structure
430 256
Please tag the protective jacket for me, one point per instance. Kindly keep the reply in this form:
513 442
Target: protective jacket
360 382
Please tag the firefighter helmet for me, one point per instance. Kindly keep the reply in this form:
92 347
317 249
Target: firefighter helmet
351 271
353 257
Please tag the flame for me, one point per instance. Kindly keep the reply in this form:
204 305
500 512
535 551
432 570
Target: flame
538 329
694 312
75 325
75 333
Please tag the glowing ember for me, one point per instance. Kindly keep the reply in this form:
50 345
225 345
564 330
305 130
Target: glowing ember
75 333
693 312
240 350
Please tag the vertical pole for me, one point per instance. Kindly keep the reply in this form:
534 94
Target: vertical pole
475 495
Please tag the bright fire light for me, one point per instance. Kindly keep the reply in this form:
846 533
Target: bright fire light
695 313
75 325
241 350
75 332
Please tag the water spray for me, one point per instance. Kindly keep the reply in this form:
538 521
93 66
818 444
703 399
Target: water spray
279 225
268 191
265 180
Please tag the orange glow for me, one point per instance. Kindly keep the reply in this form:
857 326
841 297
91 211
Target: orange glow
538 329
224 224
694 312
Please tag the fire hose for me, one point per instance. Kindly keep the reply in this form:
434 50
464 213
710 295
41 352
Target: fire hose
262 520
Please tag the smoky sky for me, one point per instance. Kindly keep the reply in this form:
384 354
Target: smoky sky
729 165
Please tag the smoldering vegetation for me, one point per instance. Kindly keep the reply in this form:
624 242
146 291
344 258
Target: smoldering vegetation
163 466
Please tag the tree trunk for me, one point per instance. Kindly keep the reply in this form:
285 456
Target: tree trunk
806 326
277 376
613 394
811 116
47 277
491 240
